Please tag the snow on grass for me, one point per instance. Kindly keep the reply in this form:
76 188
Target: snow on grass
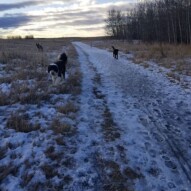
5 88
33 131
127 128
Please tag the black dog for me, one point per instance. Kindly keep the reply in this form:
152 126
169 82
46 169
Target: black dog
58 69
40 47
62 61
115 52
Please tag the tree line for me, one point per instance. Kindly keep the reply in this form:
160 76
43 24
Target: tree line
18 37
152 20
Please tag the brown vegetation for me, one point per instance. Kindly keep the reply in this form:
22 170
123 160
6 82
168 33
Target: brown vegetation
63 128
27 85
174 57
116 179
17 122
68 108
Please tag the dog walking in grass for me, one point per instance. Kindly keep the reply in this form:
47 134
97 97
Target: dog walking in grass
57 70
39 47
115 52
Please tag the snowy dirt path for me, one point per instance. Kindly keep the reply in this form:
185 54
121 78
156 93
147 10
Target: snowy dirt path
134 127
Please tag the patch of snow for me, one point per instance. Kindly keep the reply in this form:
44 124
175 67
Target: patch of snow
5 88
151 113
150 121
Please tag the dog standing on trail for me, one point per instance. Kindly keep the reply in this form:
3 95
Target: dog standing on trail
115 52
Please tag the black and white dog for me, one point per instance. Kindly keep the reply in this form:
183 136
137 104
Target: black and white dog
115 52
57 70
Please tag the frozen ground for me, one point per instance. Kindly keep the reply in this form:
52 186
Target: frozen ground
132 132
136 119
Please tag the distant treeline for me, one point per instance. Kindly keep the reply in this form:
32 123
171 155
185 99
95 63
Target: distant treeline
19 37
153 20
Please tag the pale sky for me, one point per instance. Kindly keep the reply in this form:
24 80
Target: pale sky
57 18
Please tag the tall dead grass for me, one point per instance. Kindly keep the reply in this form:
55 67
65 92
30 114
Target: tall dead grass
59 127
20 124
22 63
161 51
69 107
24 80
73 83
25 93
148 50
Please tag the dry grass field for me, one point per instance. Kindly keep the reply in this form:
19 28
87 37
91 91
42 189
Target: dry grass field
34 113
38 121
24 70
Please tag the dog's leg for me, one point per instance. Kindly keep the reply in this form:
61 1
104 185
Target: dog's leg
62 79
54 81
59 80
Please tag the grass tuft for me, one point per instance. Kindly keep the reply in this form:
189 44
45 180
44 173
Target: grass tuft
68 108
59 127
19 124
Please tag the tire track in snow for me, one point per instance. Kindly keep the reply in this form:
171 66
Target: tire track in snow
171 130
85 176
147 153
168 131
99 155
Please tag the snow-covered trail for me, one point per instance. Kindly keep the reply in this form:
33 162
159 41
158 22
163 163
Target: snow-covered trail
134 126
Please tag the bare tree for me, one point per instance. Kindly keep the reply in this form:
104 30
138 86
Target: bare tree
153 20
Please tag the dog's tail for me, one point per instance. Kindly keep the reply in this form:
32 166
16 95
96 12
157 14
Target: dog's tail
113 47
